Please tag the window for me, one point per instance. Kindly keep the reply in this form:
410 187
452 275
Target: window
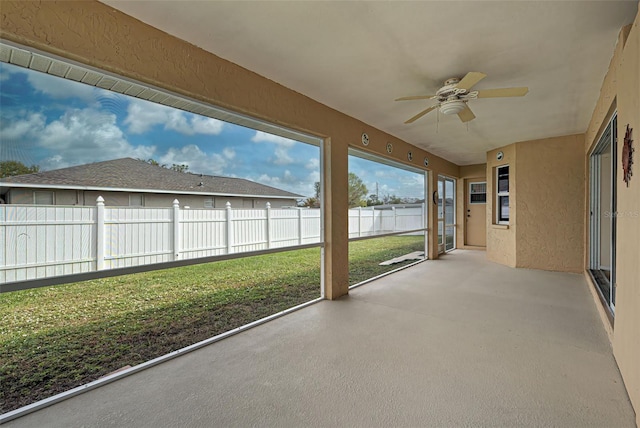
208 203
502 200
478 193
100 117
43 198
136 200
387 216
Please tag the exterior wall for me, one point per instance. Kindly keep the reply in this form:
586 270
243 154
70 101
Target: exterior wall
501 239
550 183
626 334
621 92
114 42
25 196
468 171
155 200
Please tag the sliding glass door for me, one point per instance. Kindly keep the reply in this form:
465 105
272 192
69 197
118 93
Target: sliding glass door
602 228
446 214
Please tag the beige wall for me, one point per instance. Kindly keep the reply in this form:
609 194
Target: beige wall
112 41
621 92
501 239
626 335
550 182
546 222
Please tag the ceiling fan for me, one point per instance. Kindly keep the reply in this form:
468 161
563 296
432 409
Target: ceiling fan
454 96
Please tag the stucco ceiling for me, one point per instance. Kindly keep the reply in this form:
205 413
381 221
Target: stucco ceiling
357 57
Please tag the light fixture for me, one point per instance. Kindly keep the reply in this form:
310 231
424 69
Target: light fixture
452 106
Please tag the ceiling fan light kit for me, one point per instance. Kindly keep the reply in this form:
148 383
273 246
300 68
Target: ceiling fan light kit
451 107
454 95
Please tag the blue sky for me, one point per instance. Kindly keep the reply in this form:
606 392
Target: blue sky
56 123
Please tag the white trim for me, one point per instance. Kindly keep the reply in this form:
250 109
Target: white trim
471 183
502 193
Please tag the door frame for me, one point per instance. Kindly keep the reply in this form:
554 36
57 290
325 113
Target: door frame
467 201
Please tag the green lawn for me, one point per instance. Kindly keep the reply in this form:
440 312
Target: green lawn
56 338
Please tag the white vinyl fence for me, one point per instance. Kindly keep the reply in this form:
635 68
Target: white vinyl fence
39 241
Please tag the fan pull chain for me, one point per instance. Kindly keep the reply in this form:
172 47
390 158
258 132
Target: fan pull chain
437 120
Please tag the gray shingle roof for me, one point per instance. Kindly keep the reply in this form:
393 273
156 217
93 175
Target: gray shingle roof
128 173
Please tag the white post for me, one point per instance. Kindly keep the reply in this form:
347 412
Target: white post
268 225
100 233
373 220
176 229
393 210
359 221
300 226
229 228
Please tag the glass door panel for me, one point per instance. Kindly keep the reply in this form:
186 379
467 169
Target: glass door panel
446 214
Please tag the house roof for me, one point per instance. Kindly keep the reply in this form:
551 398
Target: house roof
129 174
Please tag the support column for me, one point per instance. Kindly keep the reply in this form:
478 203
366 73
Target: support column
336 223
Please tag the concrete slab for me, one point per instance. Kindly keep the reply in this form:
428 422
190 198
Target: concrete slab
416 255
454 342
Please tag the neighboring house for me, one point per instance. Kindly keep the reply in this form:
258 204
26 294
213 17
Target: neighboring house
130 182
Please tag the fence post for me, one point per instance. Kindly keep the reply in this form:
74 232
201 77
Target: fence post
176 229
268 226
99 233
373 220
300 226
359 221
393 210
229 228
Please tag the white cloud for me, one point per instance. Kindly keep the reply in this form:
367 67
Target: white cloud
84 136
60 88
314 163
283 145
263 137
229 153
198 161
143 115
26 128
290 182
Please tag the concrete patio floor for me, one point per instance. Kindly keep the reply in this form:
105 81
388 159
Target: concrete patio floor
454 342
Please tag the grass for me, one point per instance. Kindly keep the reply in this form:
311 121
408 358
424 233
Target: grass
56 338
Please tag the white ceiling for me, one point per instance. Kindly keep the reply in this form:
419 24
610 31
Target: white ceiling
358 56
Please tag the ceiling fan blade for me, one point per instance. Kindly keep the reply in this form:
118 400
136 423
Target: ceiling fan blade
466 115
422 113
470 80
503 92
415 97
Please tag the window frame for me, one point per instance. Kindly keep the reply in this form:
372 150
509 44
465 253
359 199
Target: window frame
471 193
500 194
141 195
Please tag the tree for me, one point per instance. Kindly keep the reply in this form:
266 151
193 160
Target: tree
357 191
11 168
180 167
373 200
174 167
392 200
313 201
